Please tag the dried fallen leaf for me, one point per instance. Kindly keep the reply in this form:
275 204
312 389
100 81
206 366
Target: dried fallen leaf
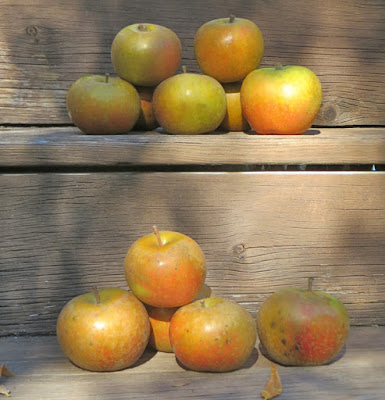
4 391
4 371
274 386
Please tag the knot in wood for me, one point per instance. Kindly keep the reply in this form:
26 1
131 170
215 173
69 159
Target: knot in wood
238 248
31 30
330 113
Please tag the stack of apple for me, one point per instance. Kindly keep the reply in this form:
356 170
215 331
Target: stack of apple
232 93
168 307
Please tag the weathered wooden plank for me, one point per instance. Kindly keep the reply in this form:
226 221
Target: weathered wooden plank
63 233
43 147
43 372
46 45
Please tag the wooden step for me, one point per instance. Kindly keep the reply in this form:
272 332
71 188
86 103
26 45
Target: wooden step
44 373
67 146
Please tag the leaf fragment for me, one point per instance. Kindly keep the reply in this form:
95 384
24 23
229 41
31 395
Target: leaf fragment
186 383
4 391
4 371
273 388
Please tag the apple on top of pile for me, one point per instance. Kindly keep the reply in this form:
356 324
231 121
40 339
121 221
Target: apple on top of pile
231 94
171 309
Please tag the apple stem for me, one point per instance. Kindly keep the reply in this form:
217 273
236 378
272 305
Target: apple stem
155 228
184 69
96 292
310 284
232 18
278 66
107 76
142 27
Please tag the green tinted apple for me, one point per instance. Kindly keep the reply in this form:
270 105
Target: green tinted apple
103 105
146 54
189 103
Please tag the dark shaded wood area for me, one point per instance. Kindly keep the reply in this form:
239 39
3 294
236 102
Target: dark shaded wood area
45 46
63 233
43 372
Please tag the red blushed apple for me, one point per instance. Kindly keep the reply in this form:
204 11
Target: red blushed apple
302 327
189 104
228 48
234 120
105 330
146 120
103 105
281 100
146 54
160 319
212 334
165 269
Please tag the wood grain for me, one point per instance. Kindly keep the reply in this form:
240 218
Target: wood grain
43 372
46 45
64 233
68 147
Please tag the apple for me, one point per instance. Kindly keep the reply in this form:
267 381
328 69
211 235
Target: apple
189 103
104 330
234 120
302 327
281 100
146 120
212 334
165 269
228 48
100 104
146 54
160 319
